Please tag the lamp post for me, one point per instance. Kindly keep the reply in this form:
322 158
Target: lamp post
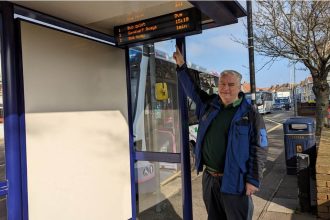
293 91
294 95
251 52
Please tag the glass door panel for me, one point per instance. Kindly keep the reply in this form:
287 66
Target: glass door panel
156 130
158 190
2 156
154 97
3 198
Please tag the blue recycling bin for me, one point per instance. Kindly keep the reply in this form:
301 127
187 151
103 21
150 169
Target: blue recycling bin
299 137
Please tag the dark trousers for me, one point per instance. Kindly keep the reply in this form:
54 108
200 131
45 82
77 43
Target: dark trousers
221 206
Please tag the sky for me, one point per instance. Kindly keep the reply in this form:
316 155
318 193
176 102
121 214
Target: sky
216 50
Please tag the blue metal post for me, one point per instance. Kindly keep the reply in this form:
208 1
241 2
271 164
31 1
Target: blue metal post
131 140
21 113
185 152
11 113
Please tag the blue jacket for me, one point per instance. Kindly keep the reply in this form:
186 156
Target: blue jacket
247 137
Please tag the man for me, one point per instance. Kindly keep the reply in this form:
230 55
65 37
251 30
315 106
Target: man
231 144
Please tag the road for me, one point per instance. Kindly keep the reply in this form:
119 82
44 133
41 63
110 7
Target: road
274 126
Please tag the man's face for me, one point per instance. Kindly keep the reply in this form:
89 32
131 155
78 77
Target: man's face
229 88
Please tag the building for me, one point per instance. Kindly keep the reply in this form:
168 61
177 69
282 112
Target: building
305 90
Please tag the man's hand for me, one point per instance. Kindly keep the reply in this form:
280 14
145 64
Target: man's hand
250 189
178 57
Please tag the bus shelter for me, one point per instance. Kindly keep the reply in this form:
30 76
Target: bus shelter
94 120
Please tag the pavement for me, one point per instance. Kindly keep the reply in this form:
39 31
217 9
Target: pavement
278 197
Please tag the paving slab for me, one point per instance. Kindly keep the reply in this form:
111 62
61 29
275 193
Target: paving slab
287 216
283 205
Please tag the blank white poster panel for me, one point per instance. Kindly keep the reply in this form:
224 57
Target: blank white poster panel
76 127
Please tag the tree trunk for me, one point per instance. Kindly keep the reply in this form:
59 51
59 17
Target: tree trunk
321 91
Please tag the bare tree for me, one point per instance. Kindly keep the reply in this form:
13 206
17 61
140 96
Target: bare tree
300 32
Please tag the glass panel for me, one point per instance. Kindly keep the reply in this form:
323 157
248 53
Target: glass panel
154 97
2 155
2 145
2 163
158 190
3 208
3 199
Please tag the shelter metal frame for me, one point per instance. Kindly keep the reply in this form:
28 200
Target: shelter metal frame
15 188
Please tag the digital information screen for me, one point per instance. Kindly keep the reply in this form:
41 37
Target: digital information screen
184 22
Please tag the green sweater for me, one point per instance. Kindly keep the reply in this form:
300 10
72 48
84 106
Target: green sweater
216 138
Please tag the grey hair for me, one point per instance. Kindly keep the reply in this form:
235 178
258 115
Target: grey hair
232 72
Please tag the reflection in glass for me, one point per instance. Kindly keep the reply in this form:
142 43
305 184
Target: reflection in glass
3 208
2 145
158 190
3 199
154 98
2 155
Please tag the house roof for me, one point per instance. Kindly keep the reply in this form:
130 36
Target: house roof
245 87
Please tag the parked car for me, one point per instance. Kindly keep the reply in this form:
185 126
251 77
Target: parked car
287 106
277 106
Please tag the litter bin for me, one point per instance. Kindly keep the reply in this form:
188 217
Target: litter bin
299 137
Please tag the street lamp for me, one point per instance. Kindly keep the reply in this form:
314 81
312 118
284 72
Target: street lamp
294 95
251 52
293 91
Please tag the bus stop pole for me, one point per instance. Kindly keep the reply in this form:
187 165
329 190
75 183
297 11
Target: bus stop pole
185 153
251 52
